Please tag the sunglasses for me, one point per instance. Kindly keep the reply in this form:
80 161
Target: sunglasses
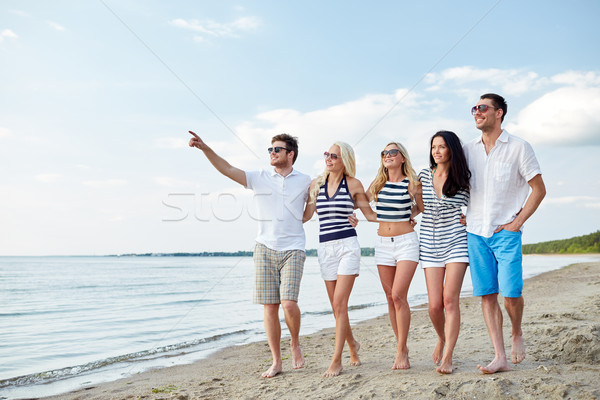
277 149
391 153
481 108
332 155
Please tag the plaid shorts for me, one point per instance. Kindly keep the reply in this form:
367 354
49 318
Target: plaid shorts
277 274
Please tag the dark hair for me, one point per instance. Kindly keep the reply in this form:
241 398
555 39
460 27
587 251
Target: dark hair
291 143
458 173
498 101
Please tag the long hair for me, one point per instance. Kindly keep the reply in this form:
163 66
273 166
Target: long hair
383 176
458 173
349 161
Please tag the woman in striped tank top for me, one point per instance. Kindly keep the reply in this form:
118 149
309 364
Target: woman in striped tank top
444 255
395 190
333 196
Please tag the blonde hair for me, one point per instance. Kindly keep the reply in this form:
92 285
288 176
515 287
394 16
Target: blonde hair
383 176
349 161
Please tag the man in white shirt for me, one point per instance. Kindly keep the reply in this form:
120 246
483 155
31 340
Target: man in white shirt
280 196
503 168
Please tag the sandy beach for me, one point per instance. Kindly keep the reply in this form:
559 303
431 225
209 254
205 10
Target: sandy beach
561 325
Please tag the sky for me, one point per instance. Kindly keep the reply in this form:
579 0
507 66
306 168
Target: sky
97 97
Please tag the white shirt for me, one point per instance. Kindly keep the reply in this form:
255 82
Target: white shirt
499 182
279 203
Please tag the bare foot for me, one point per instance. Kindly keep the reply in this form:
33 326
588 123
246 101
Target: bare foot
275 369
437 352
401 361
517 353
354 360
334 370
297 357
446 367
497 365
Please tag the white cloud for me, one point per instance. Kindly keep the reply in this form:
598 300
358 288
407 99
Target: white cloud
48 177
105 183
565 116
469 80
7 33
5 132
577 78
20 13
578 201
233 29
172 182
56 26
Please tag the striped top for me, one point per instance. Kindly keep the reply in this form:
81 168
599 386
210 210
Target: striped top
394 202
442 237
334 212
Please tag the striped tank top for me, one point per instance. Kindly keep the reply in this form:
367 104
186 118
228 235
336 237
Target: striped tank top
334 211
394 202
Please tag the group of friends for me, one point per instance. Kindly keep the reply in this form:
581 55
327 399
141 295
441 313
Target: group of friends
496 176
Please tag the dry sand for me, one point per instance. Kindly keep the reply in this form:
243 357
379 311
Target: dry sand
561 325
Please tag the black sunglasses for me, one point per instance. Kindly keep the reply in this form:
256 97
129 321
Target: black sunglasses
392 152
481 108
277 149
332 155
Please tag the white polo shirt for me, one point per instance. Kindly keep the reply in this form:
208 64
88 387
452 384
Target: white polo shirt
278 206
499 182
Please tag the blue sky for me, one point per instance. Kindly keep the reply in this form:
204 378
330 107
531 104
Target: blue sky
96 98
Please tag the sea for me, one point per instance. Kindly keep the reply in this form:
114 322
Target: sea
72 322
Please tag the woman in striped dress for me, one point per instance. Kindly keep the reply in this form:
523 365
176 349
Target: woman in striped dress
395 189
443 246
333 195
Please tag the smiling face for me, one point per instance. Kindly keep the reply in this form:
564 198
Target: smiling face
490 119
391 162
282 159
334 163
439 151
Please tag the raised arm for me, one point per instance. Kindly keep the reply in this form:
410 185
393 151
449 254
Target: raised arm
538 192
218 162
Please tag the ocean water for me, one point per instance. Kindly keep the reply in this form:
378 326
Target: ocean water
69 322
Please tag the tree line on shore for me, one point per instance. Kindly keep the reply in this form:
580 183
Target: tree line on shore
575 245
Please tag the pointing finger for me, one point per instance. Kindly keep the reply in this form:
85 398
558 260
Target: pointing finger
196 136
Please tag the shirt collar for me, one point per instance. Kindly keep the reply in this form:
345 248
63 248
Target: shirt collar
503 137
274 173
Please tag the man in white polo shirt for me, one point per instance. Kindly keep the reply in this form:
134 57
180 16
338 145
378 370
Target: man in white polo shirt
503 169
280 196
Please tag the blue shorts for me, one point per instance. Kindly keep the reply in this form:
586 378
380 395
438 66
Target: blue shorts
496 264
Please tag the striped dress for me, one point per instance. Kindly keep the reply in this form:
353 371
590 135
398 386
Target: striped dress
394 202
442 237
334 212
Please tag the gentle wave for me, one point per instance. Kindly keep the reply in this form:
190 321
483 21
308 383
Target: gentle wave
67 372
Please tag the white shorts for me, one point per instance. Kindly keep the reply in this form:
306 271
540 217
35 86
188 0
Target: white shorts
390 250
339 257
442 264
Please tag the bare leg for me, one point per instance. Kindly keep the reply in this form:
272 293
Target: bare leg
493 319
514 307
342 289
353 344
386 276
273 330
455 273
292 319
405 271
434 276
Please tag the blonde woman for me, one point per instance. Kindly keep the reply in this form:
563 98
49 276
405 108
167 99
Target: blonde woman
333 195
395 190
